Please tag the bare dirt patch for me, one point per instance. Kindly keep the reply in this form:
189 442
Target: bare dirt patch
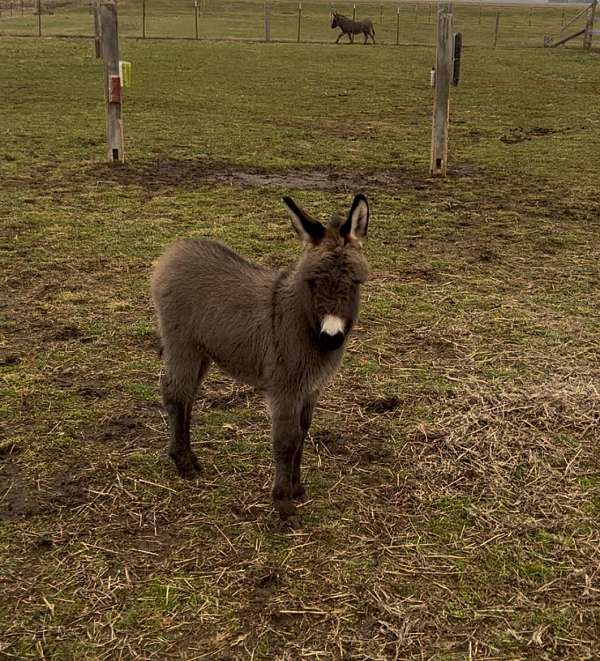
17 497
519 134
166 172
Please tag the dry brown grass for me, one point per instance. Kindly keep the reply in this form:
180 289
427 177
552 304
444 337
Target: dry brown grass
453 466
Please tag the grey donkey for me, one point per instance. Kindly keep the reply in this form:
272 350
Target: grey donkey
281 332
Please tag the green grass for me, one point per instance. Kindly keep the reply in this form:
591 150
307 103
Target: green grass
452 464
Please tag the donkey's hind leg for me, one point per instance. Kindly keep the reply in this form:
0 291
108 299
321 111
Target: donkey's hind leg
184 372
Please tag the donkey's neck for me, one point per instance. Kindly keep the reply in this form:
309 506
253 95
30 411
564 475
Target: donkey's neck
291 299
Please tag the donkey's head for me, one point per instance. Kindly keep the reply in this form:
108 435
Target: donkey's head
331 269
334 20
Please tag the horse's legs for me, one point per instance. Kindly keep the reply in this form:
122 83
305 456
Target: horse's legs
365 36
350 37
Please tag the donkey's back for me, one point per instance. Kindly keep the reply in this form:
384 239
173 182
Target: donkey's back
213 301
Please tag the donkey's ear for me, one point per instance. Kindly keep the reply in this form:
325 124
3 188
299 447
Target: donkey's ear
306 227
357 223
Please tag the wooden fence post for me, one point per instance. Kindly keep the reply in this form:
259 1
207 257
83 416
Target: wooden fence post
196 19
143 19
267 21
441 99
22 12
380 14
588 35
429 14
398 26
530 13
97 44
416 11
497 29
39 13
113 92
299 20
479 21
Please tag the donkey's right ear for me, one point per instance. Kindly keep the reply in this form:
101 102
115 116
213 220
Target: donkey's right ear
306 227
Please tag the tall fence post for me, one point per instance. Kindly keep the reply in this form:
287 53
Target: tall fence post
416 11
196 19
496 29
97 44
299 20
588 35
109 36
143 19
429 14
39 13
380 14
441 98
267 21
22 12
530 14
353 18
397 26
479 21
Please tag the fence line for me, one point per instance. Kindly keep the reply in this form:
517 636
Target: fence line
397 23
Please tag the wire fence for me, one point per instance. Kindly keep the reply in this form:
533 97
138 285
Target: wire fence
396 23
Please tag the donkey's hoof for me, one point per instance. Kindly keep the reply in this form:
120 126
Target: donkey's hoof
285 508
299 494
187 465
292 522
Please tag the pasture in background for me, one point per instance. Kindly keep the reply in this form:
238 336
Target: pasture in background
454 460
409 23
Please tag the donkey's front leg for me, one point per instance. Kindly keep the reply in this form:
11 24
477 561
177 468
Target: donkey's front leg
340 35
306 415
287 439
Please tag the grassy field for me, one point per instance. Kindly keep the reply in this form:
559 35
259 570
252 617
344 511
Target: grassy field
520 26
453 464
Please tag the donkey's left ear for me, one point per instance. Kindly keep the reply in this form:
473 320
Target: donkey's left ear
357 223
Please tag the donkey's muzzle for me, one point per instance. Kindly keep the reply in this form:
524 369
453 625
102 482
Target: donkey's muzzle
333 332
329 342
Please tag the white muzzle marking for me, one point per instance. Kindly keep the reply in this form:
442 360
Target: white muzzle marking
332 325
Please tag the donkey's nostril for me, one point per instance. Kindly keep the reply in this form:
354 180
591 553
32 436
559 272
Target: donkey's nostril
328 342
